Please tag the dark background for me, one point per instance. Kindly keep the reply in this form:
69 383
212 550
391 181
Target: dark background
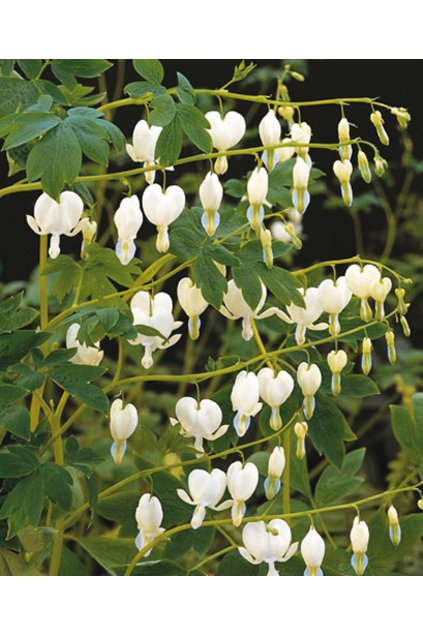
396 82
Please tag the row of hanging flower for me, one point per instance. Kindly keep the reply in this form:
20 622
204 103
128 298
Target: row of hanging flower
262 542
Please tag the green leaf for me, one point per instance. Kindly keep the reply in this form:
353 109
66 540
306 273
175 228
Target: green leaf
246 279
334 485
86 68
184 90
242 71
187 236
58 485
24 504
12 316
328 430
75 379
235 188
194 124
65 272
169 143
163 110
10 393
149 69
113 133
408 428
234 565
16 95
381 552
103 266
210 280
199 540
281 283
219 253
92 137
15 418
30 125
15 345
114 555
16 565
16 461
120 508
56 159
139 89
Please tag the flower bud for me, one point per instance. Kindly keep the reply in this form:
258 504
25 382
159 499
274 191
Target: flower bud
337 362
345 151
300 430
364 167
123 422
300 194
377 120
266 243
211 194
257 187
313 552
276 466
390 342
380 165
403 117
366 359
405 326
420 504
270 132
309 379
402 307
394 527
343 170
359 541
287 113
89 231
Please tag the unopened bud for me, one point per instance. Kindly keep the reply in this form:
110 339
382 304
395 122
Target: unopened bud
394 527
266 243
345 151
405 326
420 504
297 76
300 430
286 112
364 167
390 342
380 165
343 170
366 360
402 307
403 117
377 120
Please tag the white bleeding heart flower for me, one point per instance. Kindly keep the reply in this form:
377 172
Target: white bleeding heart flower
88 229
206 489
84 355
286 153
360 281
304 317
162 208
128 220
343 171
345 151
276 465
149 516
211 195
57 218
334 296
337 360
123 423
274 390
245 400
300 177
235 307
154 312
225 132
380 291
270 132
366 357
143 148
257 188
242 482
301 133
313 552
269 543
193 304
309 379
359 537
201 420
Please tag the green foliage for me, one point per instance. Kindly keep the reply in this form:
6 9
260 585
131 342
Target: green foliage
333 485
408 428
76 379
328 430
24 504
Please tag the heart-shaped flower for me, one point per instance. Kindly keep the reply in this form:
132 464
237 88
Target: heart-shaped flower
201 420
225 133
162 208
